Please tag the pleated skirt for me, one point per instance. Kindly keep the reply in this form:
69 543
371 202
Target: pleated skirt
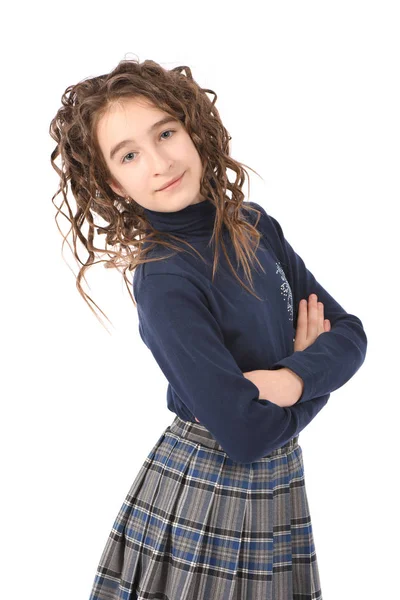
195 525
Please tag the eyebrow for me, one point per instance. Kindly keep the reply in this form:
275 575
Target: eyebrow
123 143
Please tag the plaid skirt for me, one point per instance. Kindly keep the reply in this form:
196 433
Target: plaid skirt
195 525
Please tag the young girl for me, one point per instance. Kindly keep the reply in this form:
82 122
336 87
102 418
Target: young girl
219 507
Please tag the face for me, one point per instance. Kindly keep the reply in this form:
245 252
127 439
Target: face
152 158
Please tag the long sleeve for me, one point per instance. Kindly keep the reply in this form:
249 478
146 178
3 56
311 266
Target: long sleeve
176 324
336 355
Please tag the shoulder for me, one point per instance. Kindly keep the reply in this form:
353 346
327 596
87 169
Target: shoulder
252 207
265 223
167 281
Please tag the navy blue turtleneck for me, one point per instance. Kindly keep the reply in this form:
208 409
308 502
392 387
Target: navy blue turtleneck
205 334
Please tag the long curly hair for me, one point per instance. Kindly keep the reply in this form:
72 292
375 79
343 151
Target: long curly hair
129 237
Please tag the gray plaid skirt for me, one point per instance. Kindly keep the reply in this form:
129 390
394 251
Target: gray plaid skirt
196 525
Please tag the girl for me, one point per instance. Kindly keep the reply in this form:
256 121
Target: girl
219 507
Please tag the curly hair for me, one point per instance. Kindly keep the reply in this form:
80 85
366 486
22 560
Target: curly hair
129 235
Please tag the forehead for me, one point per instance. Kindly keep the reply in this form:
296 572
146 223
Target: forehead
128 105
133 111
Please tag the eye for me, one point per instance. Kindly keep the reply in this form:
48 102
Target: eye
167 131
124 161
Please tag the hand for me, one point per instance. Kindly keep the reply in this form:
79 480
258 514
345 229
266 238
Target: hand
310 323
280 386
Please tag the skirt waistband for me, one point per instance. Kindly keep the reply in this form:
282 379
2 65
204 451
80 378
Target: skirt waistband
195 432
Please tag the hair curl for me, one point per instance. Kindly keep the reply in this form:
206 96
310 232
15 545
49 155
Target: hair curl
126 228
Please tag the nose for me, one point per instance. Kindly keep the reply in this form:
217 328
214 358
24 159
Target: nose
159 161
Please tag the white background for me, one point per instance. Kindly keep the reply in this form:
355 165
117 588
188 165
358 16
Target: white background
309 92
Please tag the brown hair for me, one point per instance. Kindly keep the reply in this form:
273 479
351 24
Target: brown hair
125 226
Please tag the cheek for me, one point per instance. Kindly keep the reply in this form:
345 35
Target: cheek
194 158
189 148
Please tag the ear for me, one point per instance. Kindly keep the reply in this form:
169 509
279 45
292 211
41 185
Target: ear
115 188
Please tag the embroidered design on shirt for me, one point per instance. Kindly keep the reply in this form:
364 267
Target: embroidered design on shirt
286 291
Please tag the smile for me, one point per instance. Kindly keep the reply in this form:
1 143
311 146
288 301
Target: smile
172 185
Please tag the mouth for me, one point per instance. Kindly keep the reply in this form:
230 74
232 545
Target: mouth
172 185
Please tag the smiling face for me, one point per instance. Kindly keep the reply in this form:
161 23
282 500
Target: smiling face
153 155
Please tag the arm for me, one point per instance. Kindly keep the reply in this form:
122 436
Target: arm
335 356
186 341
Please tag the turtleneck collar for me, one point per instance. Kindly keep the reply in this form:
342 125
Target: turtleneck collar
192 222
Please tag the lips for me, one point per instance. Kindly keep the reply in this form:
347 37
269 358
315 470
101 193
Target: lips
170 182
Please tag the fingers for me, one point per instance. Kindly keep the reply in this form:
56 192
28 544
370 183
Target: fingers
317 316
310 322
313 317
302 319
320 318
